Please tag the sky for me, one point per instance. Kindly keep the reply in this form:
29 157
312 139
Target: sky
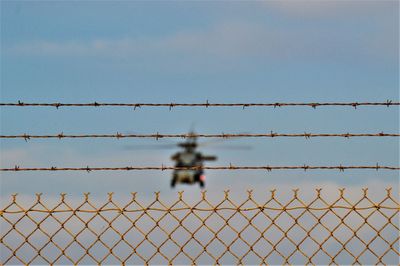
223 52
190 52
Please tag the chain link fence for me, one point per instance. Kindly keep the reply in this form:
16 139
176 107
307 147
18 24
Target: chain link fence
289 228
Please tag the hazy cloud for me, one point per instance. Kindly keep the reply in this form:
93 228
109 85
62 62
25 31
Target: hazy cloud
231 40
330 8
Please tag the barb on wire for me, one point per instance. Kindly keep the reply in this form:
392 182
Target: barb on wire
206 104
157 136
229 167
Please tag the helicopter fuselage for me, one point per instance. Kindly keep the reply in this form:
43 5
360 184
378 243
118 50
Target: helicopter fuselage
187 159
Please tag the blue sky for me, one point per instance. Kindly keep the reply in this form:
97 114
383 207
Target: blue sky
192 52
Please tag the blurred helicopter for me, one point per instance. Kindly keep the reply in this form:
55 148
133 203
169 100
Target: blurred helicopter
187 158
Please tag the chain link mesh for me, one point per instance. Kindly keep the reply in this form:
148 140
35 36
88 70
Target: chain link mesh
275 230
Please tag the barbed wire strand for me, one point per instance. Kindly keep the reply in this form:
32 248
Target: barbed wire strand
206 104
230 167
194 135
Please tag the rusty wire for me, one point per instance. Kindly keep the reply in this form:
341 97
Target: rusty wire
195 135
272 231
206 104
229 167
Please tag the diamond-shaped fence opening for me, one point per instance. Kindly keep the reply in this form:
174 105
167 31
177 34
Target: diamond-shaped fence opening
87 215
366 233
74 225
249 234
122 250
12 240
275 258
75 251
327 218
97 224
262 247
238 220
286 247
62 238
145 224
390 233
391 256
86 238
355 246
5 253
193 248
239 248
133 237
99 250
110 237
25 226
331 246
299 258
379 246
216 248
297 234
368 258
50 225
26 253
181 235
309 246
134 259
319 233
345 257
169 224
260 221
192 221
343 233
38 239
227 235
215 222
285 230
158 259
377 220
51 252
146 249
319 258
182 259
274 233
158 236
204 235
171 248
87 260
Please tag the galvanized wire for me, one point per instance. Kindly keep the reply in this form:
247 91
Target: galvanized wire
195 135
229 167
277 230
206 104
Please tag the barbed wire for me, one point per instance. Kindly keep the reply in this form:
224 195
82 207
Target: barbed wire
229 167
206 104
194 135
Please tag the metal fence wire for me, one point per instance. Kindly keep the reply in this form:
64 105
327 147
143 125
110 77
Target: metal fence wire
284 228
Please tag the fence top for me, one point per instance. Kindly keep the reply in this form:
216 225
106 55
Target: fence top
317 202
